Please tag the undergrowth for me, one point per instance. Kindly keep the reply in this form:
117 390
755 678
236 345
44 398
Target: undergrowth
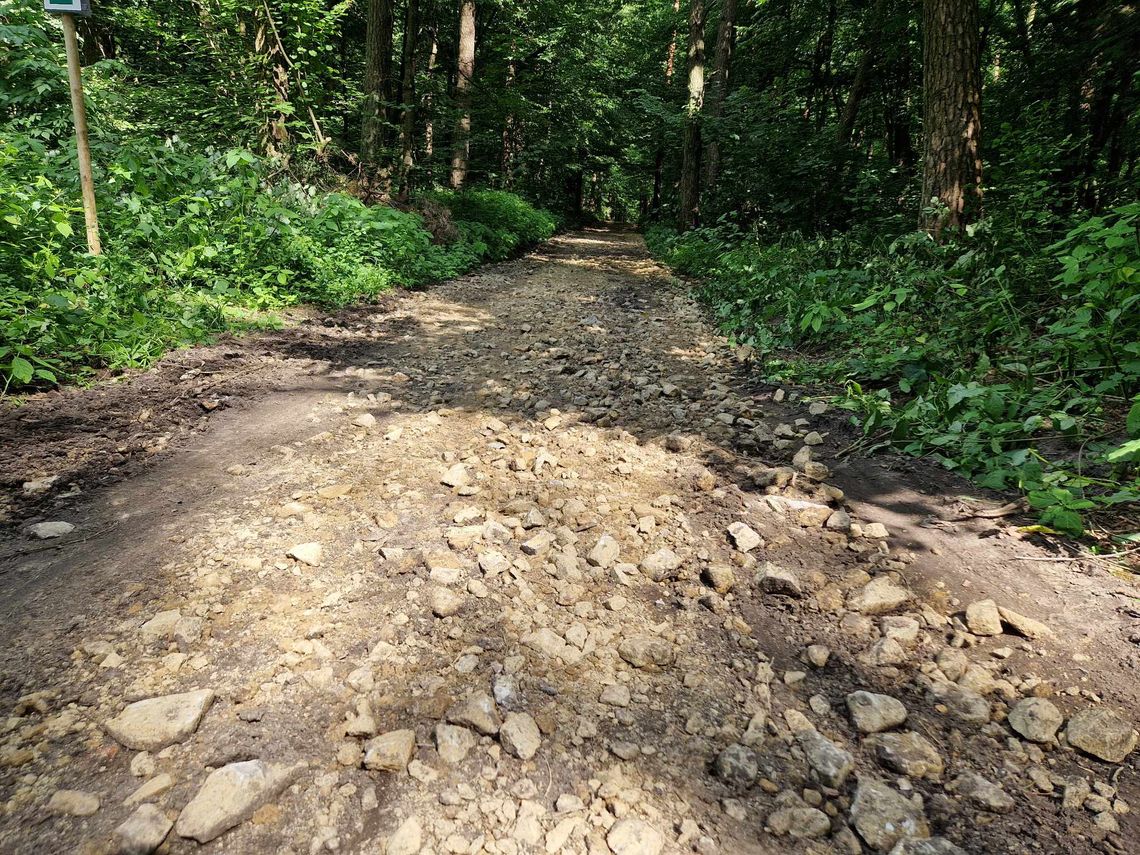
1016 364
200 242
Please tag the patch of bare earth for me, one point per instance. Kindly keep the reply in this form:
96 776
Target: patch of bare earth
526 564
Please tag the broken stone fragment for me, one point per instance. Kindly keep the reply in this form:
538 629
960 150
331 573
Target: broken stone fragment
390 752
230 795
744 537
154 723
1035 719
142 832
307 553
1103 733
878 596
883 817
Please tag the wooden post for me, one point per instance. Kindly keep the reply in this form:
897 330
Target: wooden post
79 111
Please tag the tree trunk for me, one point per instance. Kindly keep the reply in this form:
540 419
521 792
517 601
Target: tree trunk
429 108
377 70
871 40
275 133
952 115
408 98
659 155
718 86
510 129
465 73
821 69
690 207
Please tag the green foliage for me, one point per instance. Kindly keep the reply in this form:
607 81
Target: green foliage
195 243
1013 369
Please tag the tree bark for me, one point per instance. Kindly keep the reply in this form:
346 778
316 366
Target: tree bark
429 106
690 208
952 115
659 155
510 129
465 73
718 86
377 71
408 98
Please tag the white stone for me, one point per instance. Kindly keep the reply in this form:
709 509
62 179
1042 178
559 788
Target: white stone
230 795
155 723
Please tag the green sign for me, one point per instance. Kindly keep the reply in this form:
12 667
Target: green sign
69 7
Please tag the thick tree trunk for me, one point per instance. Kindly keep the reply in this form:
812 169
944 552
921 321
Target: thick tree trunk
377 71
408 98
429 107
465 73
690 207
859 86
952 115
718 86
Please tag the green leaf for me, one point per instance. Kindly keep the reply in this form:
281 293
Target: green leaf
20 369
1064 520
1132 423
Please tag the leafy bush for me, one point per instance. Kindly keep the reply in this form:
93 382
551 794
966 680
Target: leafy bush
198 242
1015 368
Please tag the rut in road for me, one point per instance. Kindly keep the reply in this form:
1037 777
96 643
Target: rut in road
525 563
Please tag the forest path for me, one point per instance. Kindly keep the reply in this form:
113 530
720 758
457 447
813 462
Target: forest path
526 563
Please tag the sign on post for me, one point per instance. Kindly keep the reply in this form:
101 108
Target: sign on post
67 10
71 7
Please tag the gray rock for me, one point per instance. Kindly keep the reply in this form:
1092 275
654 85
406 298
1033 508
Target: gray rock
391 751
604 553
1103 733
155 723
744 536
1023 625
445 602
831 763
142 832
477 711
963 704
230 795
615 695
737 766
54 528
883 817
907 753
661 564
520 736
983 618
456 476
453 742
647 652
307 553
873 713
632 836
981 792
73 803
1036 719
930 846
878 596
408 839
719 577
774 579
799 823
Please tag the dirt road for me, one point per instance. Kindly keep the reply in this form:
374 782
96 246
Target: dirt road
528 563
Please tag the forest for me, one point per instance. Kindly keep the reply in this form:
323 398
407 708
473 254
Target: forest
927 210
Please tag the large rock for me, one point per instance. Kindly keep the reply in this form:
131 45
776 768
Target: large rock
230 795
477 711
737 766
661 564
983 618
632 836
981 792
907 753
1026 626
878 596
783 581
883 817
744 537
830 763
390 752
1036 719
155 723
408 839
453 742
1103 733
142 832
930 846
873 713
519 735
963 704
799 822
604 553
647 652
